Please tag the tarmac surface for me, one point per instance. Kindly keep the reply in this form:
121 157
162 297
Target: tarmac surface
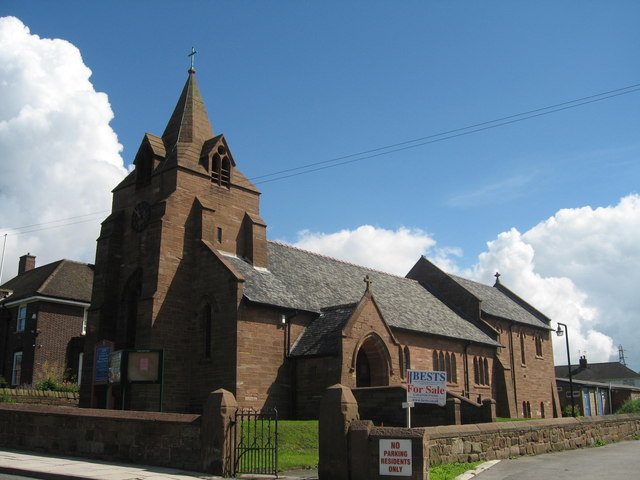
47 467
616 461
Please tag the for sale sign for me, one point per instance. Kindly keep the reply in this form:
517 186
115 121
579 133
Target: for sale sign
395 457
425 386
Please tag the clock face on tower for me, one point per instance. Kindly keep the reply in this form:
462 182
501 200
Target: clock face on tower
140 216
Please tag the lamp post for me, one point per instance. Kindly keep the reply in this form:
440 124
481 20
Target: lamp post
560 332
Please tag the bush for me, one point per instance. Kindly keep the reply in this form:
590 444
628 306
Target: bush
3 382
630 406
53 385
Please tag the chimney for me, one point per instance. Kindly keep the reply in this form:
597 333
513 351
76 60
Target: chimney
27 262
583 361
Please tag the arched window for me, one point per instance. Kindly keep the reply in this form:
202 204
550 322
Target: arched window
542 410
406 360
476 376
435 361
447 366
538 346
524 409
215 169
225 173
454 372
441 364
205 316
486 372
480 371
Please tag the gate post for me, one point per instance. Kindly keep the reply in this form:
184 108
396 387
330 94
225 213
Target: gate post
337 410
216 432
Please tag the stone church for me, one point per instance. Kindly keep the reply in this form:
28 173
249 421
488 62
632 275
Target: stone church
183 264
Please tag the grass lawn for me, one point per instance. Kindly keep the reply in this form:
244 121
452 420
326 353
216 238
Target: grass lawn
298 449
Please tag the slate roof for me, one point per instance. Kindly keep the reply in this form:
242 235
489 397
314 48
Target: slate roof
297 279
64 279
499 304
322 336
597 371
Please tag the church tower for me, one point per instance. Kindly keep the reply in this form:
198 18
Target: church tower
160 281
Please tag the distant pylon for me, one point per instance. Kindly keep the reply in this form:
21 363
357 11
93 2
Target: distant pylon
621 355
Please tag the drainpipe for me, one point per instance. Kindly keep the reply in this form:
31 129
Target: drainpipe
513 367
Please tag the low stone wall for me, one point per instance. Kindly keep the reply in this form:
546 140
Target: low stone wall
40 397
189 442
489 441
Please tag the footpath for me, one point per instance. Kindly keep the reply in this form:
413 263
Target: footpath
46 467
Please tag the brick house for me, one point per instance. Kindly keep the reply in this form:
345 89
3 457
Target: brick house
42 321
183 264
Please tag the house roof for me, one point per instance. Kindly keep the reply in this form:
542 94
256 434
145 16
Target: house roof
322 336
64 279
297 279
597 371
500 302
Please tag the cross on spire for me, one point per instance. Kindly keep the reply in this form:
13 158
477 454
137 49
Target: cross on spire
497 275
193 56
368 281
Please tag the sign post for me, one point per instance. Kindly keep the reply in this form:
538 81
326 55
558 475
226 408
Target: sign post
425 386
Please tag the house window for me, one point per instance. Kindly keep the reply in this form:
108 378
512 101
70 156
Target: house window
22 318
84 321
17 369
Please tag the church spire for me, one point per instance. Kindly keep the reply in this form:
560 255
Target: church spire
189 122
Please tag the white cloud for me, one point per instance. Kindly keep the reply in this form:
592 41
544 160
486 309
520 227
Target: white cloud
60 158
387 250
580 267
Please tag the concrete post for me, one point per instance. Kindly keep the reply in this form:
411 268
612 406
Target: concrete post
337 410
218 422
359 456
454 416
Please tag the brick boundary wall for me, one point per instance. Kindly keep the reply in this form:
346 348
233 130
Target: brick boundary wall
490 441
189 442
40 397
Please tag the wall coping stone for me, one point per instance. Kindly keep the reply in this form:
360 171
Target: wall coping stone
101 413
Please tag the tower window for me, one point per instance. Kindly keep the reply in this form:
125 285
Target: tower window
219 235
221 169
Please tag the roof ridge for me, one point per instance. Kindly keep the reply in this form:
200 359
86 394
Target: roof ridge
338 260
51 275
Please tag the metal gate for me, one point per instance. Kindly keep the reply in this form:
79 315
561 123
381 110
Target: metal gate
256 442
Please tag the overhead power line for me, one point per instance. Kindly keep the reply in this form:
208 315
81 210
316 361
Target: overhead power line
379 151
446 135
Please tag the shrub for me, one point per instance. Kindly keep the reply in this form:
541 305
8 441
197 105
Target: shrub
3 382
630 406
53 385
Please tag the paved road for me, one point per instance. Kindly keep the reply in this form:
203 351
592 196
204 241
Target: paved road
616 461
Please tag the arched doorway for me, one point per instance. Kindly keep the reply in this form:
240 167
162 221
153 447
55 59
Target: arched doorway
372 363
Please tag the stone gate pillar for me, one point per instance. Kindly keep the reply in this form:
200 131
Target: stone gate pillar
218 420
337 410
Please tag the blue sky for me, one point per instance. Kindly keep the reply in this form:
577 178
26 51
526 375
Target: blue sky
292 83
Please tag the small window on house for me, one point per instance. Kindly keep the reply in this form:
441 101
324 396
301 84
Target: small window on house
22 318
16 370
84 321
